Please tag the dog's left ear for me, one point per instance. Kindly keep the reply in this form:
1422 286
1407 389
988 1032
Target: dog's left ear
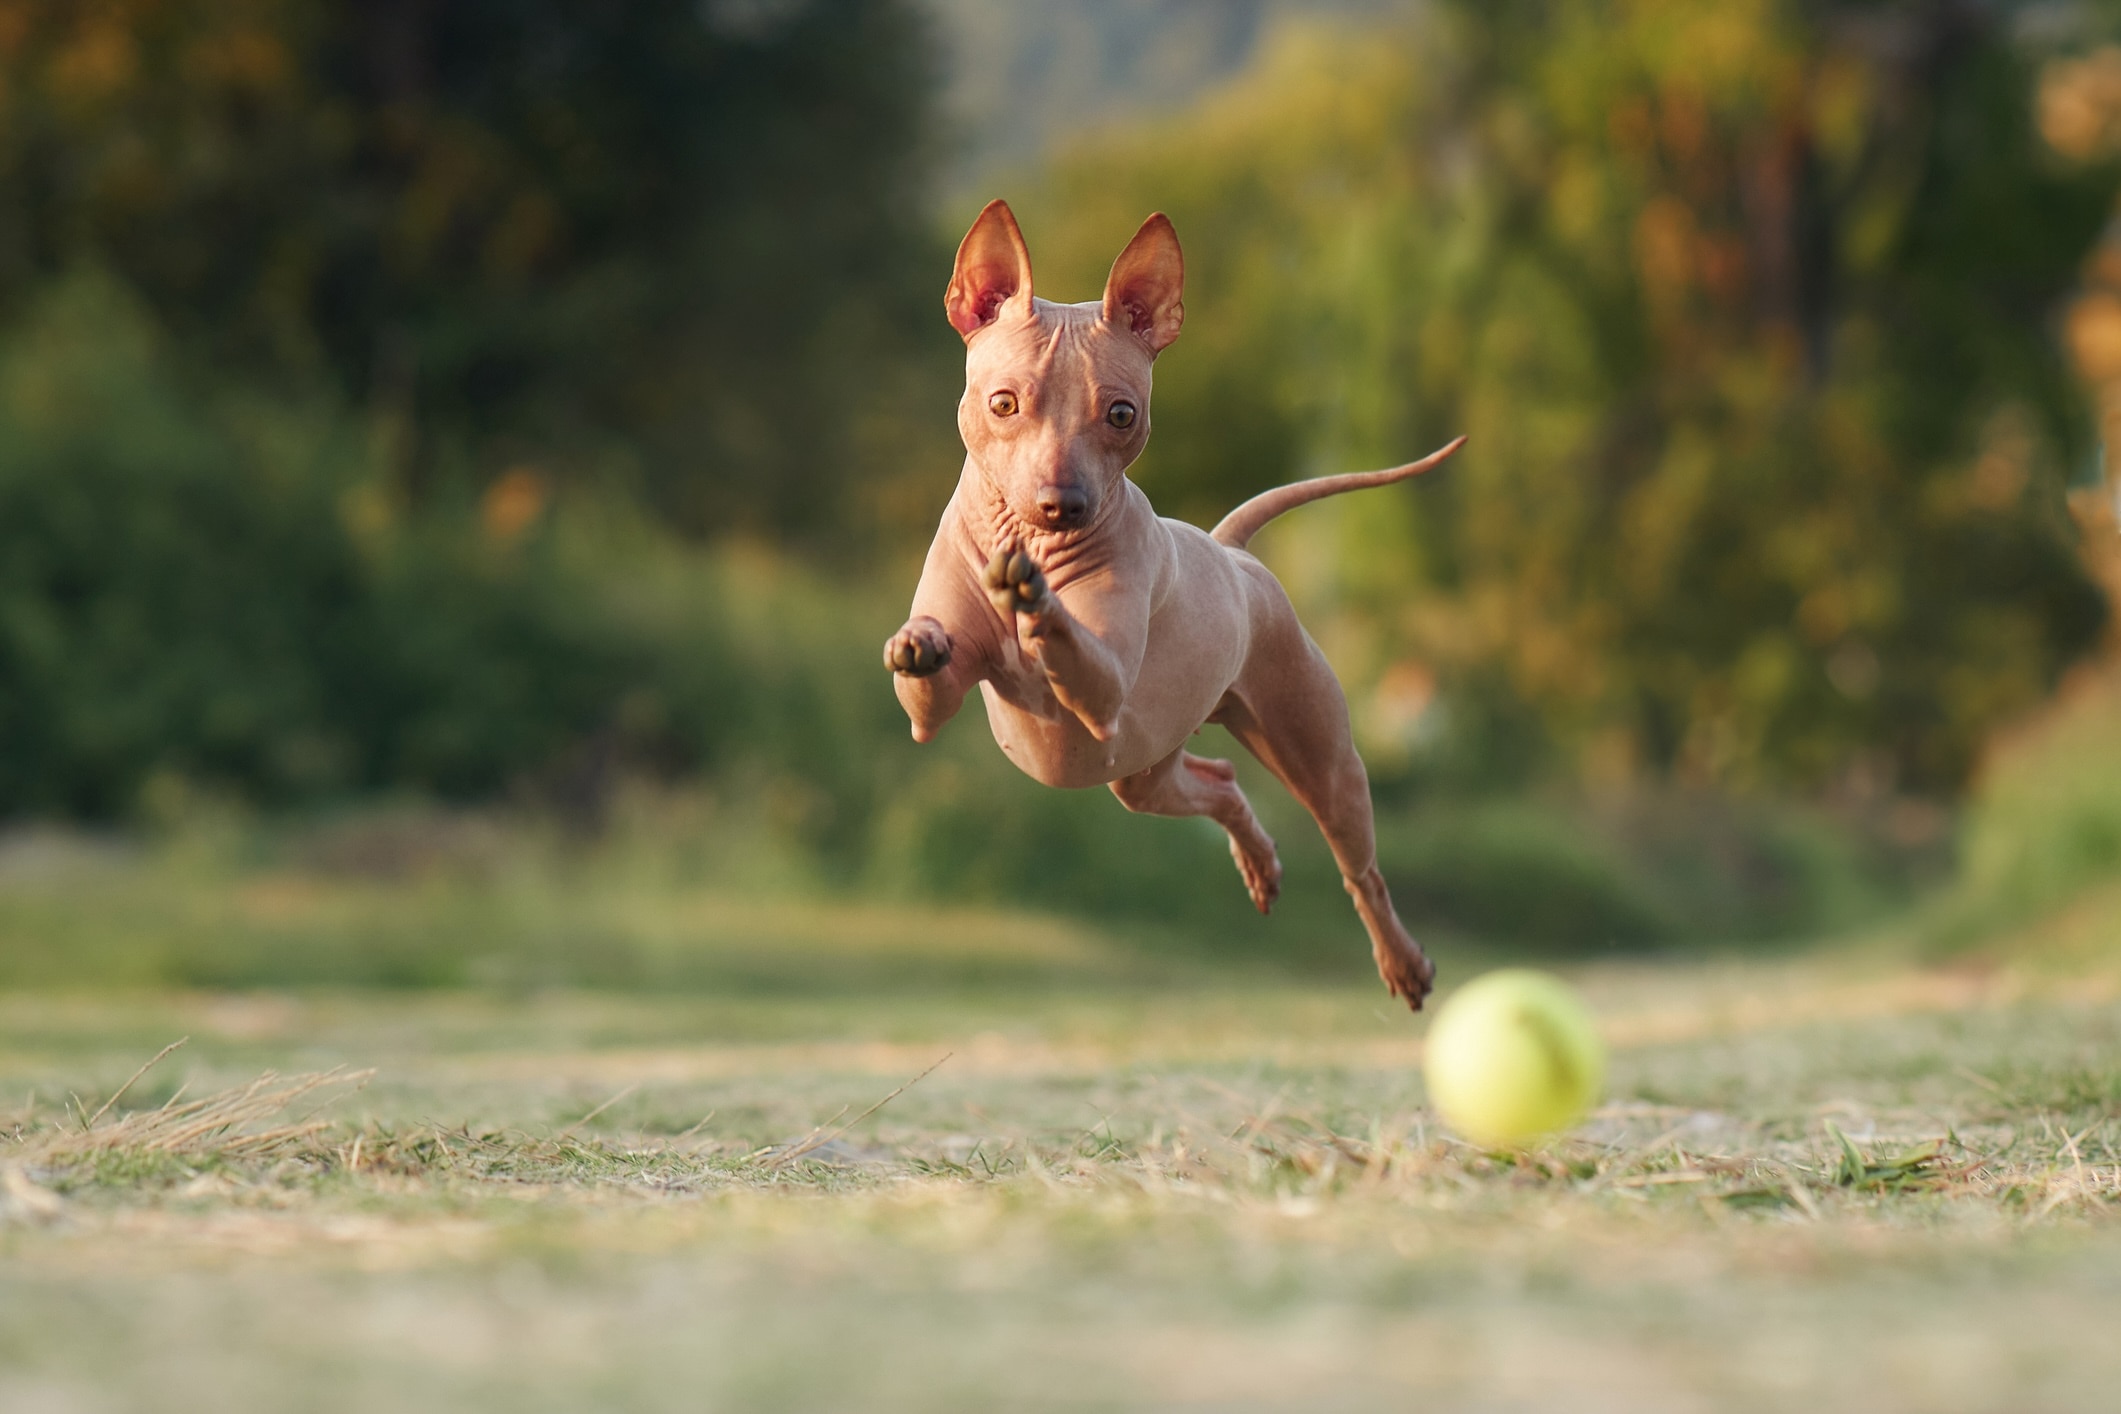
1143 293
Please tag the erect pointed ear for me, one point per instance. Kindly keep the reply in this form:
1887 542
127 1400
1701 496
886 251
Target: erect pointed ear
993 267
1143 293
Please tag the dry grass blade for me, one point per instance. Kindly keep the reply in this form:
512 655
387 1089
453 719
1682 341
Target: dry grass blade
570 1129
818 1138
2076 1184
119 1093
1659 1180
234 1122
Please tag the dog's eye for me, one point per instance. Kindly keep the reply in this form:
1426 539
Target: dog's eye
1121 415
1002 404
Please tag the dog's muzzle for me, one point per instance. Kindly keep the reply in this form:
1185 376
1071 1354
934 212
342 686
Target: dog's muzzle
1064 507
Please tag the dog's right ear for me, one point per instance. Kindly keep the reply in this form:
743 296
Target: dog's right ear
993 267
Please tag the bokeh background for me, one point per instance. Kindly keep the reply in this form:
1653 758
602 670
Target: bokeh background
459 461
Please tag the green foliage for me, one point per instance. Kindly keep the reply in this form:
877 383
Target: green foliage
167 582
967 826
1529 875
1746 309
658 232
357 363
2043 831
187 591
1649 872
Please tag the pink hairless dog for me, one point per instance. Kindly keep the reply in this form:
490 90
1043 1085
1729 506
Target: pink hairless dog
1101 635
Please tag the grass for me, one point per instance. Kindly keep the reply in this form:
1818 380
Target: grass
1845 1182
975 874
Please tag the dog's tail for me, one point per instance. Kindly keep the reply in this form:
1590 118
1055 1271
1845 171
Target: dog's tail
1238 527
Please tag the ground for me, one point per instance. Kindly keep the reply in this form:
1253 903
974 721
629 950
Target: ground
1824 1181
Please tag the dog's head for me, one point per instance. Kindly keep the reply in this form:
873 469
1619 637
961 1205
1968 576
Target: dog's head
1056 404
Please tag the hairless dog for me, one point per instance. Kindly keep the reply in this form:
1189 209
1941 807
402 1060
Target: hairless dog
1101 635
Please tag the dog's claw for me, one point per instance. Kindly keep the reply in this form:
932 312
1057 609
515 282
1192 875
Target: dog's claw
920 649
1015 581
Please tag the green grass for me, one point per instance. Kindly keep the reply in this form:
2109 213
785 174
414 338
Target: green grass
1837 1183
423 899
2040 865
470 1118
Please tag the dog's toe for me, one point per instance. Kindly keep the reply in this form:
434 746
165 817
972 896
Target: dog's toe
1015 582
918 650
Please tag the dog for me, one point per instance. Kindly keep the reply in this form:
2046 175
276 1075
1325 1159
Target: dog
1101 635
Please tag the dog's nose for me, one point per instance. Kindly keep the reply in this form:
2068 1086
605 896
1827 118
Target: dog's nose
1063 506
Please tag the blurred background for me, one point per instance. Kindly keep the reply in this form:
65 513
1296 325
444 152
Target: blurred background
459 463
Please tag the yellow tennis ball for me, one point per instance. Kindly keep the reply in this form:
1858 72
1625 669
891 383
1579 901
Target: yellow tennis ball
1514 1055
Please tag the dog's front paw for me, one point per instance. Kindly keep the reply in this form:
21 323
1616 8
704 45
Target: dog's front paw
1015 583
919 649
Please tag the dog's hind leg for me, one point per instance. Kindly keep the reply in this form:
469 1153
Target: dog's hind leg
1288 710
1185 784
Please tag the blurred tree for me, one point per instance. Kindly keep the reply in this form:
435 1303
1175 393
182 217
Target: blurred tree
186 595
1747 306
680 235
201 587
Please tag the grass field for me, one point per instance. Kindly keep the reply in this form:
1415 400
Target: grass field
1835 1183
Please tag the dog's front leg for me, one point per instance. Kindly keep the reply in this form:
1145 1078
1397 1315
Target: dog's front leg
929 673
1083 670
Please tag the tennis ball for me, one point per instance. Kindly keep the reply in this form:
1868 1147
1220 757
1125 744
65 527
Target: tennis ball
1514 1055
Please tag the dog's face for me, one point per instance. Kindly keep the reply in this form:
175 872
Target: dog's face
1056 404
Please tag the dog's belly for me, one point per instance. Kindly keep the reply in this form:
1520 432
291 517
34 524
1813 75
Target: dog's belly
1051 745
1057 753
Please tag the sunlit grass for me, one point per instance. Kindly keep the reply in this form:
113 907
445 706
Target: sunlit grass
1839 1180
624 1134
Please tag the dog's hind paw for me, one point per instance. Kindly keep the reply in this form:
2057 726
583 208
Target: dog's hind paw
1261 872
1015 582
919 649
1407 975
